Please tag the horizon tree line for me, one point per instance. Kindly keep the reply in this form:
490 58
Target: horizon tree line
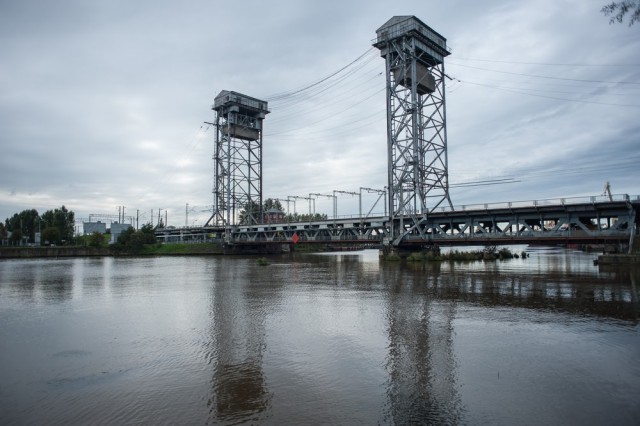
55 226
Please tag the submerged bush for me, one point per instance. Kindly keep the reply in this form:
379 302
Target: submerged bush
392 257
488 253
415 257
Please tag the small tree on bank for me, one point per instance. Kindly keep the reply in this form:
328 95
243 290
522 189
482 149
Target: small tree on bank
51 235
96 240
132 241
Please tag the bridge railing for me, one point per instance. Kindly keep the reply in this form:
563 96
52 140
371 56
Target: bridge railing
543 202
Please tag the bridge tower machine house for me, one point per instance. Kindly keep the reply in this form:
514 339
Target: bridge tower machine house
237 187
416 128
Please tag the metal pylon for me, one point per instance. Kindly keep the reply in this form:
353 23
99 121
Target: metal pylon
237 192
416 122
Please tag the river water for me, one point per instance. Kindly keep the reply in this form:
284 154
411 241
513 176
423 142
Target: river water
319 339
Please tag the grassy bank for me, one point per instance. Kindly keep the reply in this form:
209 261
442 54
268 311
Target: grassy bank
80 251
64 251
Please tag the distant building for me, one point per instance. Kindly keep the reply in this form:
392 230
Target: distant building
93 227
117 229
274 215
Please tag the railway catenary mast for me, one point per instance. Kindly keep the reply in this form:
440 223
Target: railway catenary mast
416 127
238 159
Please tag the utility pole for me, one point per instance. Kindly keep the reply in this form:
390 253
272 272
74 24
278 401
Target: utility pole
296 197
335 200
294 203
314 205
370 190
320 195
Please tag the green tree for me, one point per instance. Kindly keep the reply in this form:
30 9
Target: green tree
617 10
270 203
62 219
3 232
96 239
16 237
132 241
249 214
26 222
51 235
147 234
297 217
147 228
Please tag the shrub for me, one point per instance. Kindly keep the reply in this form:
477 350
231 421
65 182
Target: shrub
96 240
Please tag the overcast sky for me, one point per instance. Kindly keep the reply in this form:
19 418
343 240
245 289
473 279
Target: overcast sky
103 103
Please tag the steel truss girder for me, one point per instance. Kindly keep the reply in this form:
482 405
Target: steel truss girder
348 230
587 222
594 222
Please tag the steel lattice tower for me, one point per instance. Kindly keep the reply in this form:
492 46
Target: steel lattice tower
238 159
416 128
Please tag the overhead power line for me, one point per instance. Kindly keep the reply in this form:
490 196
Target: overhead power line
546 76
525 92
548 63
282 95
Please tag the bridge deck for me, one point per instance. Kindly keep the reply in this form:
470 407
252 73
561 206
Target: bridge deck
562 221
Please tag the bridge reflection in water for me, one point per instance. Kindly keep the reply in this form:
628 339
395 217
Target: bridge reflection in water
319 339
421 307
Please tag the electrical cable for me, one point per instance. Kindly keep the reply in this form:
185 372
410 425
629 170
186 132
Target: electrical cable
546 63
548 97
545 76
282 95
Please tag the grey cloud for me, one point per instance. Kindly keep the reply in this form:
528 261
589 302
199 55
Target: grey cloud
99 101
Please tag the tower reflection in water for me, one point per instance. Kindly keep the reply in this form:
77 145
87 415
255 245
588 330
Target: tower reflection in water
416 371
421 383
239 389
424 300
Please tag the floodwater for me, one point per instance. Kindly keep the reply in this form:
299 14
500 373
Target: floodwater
319 339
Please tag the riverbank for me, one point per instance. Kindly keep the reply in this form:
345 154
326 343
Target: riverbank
619 259
36 252
149 250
